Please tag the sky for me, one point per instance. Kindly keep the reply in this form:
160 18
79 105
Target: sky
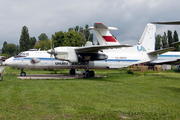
50 16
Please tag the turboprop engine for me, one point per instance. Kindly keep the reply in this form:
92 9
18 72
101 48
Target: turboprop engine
70 54
65 54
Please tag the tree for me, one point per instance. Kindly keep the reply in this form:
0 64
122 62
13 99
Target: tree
76 28
158 42
3 48
170 39
17 50
42 37
58 38
71 38
11 49
91 38
81 29
43 45
176 39
87 33
32 42
82 39
70 29
24 39
164 41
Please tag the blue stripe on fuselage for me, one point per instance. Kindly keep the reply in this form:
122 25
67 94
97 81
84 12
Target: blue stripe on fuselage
108 60
169 56
31 58
121 60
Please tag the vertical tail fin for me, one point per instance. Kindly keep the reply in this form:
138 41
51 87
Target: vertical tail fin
103 34
148 38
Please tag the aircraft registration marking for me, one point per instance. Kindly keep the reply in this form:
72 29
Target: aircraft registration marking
61 63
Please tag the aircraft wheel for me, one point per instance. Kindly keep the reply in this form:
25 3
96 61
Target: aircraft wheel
92 74
88 74
72 72
23 74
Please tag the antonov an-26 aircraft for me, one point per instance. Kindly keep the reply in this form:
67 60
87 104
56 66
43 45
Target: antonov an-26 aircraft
109 55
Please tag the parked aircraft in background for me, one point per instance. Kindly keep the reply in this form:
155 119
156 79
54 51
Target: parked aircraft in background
166 58
109 55
172 58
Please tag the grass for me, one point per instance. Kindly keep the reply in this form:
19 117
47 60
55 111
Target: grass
148 95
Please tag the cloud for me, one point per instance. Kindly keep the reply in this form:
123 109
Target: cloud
50 16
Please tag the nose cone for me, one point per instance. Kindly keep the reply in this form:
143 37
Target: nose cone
8 62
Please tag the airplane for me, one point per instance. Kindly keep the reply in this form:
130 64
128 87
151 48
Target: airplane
109 55
170 57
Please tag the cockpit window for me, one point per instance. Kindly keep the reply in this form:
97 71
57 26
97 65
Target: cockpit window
20 53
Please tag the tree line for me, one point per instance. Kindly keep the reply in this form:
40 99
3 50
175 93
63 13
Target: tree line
74 37
166 40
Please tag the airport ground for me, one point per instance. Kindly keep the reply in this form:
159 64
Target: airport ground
141 95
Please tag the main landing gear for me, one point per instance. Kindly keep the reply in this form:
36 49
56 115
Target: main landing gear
22 73
86 73
89 74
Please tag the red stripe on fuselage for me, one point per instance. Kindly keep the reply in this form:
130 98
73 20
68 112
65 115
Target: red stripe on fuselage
109 39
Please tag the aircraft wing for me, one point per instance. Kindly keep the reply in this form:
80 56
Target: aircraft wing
97 48
161 51
165 61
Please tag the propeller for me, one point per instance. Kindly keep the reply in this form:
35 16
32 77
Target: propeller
167 23
51 51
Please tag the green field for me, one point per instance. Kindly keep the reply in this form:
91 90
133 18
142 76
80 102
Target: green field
147 95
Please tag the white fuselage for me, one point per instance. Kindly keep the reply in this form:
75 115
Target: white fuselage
169 56
117 58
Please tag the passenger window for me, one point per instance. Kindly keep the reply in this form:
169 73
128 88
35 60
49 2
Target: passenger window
23 54
27 54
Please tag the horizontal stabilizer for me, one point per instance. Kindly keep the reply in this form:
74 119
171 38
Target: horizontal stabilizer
103 34
97 48
167 23
176 43
162 61
166 61
161 51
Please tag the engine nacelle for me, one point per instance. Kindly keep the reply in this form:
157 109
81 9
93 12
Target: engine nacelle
66 54
82 57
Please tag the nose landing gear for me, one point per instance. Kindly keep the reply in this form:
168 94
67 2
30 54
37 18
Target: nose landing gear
22 73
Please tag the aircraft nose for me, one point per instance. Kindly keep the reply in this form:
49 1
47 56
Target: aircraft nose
5 62
8 62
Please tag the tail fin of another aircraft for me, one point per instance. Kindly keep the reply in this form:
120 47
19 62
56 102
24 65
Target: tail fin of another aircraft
148 38
103 35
